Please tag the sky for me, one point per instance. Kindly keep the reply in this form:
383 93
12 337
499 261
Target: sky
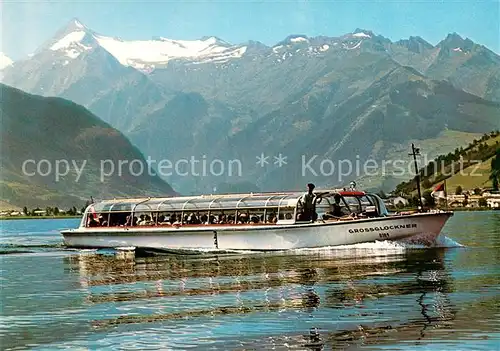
27 24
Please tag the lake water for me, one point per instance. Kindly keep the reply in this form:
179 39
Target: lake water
380 296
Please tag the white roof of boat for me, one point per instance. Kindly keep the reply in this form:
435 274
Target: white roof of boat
201 202
205 202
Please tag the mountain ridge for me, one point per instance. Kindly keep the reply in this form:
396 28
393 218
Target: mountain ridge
46 131
76 25
360 87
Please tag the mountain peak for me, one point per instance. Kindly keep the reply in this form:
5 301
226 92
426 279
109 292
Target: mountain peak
363 33
73 39
255 47
454 41
215 40
453 36
77 23
416 44
256 43
73 25
294 39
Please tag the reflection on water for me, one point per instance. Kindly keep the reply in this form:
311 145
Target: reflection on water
377 296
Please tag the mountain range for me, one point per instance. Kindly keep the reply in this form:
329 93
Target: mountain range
358 96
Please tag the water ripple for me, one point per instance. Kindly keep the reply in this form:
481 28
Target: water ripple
381 295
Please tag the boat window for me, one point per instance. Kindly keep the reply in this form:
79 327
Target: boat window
231 208
365 202
380 205
353 203
325 206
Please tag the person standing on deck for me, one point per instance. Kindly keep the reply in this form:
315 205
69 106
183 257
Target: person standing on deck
308 205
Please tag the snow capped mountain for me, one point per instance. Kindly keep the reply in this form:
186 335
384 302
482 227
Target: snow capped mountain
264 96
293 40
4 61
76 38
73 44
298 40
361 35
142 52
322 45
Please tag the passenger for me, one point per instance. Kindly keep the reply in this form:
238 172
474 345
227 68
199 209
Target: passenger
243 218
92 222
336 208
102 221
172 218
161 219
198 218
222 219
336 211
192 219
141 220
178 220
271 218
154 218
204 218
308 205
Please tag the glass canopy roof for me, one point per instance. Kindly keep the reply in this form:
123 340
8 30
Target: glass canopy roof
209 202
199 203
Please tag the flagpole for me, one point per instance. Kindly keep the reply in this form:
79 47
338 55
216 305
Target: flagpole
445 195
414 152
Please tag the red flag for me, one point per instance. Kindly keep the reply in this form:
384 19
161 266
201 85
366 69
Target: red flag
92 211
439 191
440 187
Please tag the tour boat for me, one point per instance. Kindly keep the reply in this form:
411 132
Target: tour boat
254 221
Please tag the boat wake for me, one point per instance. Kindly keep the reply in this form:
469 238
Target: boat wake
370 249
13 248
388 245
444 242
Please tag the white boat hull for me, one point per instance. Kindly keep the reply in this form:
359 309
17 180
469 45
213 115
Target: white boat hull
422 227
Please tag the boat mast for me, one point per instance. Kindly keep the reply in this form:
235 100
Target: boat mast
445 195
414 152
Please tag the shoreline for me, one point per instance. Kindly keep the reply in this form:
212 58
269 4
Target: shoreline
454 209
13 218
472 209
457 209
